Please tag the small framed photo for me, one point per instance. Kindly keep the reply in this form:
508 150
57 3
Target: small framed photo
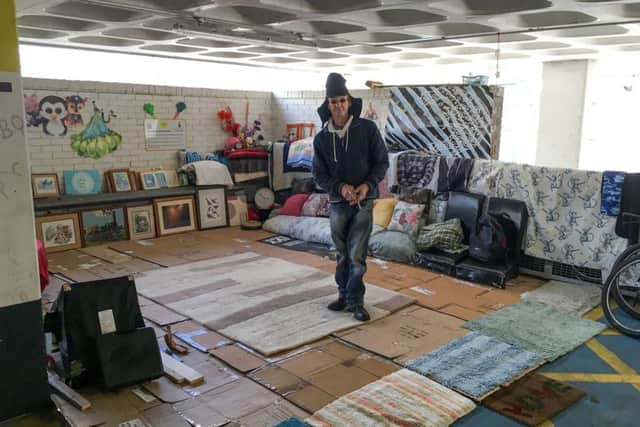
45 185
175 215
142 224
119 180
82 181
103 225
161 179
148 180
237 207
212 208
172 178
59 232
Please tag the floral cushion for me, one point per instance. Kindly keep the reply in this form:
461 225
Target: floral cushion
316 205
407 218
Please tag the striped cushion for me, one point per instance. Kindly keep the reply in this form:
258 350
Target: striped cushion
399 399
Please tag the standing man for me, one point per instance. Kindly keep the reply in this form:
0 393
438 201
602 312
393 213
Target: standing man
349 161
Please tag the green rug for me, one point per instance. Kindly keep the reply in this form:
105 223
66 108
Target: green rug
538 328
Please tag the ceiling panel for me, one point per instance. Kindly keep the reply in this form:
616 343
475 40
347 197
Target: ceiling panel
303 34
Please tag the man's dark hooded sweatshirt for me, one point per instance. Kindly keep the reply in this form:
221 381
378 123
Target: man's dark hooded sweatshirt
360 156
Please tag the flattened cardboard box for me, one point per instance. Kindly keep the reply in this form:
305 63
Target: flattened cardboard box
406 334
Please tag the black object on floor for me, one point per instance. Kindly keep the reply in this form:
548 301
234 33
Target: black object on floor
286 242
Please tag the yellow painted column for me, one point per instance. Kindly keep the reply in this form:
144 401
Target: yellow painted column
8 37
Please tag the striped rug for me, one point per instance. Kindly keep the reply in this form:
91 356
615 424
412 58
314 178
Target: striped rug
403 398
475 364
266 303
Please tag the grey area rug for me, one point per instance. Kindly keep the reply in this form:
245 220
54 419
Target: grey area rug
579 298
475 364
538 328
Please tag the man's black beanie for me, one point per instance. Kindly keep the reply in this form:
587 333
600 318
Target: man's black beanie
336 85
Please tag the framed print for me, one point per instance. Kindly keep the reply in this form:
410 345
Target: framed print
119 180
212 208
161 179
134 179
175 215
148 180
45 185
172 178
59 232
103 225
237 207
82 182
142 224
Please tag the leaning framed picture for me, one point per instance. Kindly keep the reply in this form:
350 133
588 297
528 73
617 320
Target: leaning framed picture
119 180
103 225
142 224
175 215
148 180
237 207
80 182
212 207
45 185
59 232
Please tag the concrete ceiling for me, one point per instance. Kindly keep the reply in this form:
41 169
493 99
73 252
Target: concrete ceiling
339 34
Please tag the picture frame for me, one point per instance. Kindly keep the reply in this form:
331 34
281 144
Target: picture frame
134 179
212 207
172 178
82 182
119 180
102 225
175 215
141 222
148 180
237 208
161 179
45 185
59 232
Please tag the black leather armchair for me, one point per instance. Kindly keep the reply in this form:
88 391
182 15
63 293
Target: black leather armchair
497 274
467 207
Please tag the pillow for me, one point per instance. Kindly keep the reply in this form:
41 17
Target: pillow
293 205
316 205
382 211
392 246
421 196
447 236
406 218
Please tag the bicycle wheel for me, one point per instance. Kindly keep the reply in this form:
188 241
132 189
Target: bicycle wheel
631 251
623 282
627 287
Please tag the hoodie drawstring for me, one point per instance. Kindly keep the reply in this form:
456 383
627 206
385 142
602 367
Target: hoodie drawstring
346 147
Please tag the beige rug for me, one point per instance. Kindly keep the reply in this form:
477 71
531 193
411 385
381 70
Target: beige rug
266 303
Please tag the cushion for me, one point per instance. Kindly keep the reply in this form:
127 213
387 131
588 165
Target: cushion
446 235
393 246
316 205
382 211
302 185
421 196
406 218
293 205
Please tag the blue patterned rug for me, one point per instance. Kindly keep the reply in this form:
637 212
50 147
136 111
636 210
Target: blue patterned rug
538 328
474 364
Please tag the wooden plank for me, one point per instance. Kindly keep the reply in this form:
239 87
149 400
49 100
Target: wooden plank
68 393
179 372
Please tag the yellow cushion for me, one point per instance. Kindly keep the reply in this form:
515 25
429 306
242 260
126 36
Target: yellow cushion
383 210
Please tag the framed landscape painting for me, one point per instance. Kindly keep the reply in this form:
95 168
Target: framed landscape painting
212 208
142 224
59 232
175 215
103 225
45 185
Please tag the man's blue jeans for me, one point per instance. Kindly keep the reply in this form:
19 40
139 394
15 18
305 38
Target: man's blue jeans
350 230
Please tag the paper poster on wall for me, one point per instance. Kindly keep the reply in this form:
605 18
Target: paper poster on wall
165 134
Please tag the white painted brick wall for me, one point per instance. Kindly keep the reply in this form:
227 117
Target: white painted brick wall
204 132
